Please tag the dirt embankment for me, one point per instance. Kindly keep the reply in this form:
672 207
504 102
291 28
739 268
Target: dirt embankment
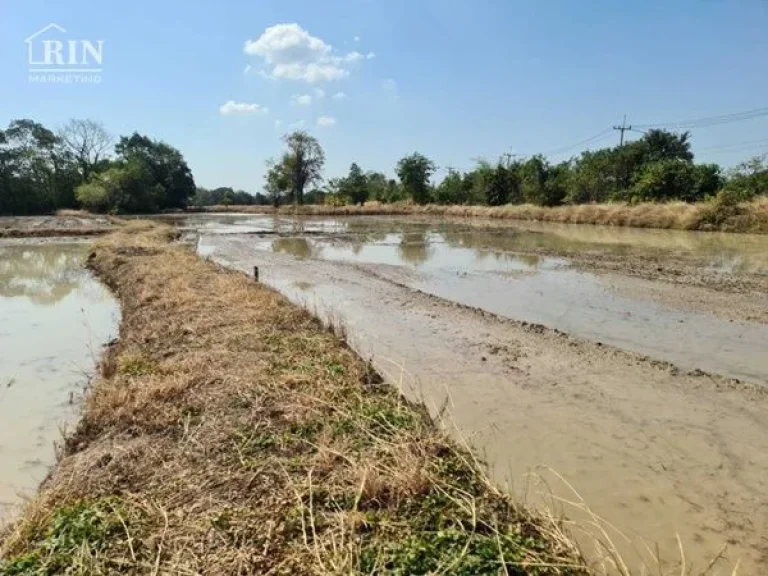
749 217
231 433
66 223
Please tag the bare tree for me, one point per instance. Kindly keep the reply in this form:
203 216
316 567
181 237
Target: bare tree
88 141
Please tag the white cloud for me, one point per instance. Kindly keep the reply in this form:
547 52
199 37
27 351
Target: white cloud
247 69
354 56
290 52
278 123
326 121
339 96
357 38
319 93
370 56
232 107
301 99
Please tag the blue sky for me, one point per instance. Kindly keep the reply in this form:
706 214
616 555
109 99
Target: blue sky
453 79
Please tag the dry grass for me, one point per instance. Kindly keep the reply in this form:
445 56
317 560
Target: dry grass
746 217
231 433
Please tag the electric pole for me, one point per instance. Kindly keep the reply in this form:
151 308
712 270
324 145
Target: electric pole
623 128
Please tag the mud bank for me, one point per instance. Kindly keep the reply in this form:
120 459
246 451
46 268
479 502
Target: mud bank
653 450
54 226
231 433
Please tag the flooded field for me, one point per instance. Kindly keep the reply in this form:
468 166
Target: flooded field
628 395
54 319
527 274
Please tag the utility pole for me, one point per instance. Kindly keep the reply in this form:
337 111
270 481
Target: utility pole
623 128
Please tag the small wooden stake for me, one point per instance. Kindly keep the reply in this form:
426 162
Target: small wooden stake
256 273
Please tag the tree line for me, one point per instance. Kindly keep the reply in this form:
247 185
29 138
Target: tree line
658 167
82 166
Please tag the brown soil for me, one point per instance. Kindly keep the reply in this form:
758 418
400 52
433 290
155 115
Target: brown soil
65 224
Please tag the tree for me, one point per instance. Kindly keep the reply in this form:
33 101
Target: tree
451 190
377 186
31 167
414 172
276 181
164 167
664 145
303 162
355 185
664 180
88 142
748 179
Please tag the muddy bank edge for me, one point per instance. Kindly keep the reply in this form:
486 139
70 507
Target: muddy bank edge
230 432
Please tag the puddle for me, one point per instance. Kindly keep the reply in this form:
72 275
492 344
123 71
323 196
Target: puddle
54 319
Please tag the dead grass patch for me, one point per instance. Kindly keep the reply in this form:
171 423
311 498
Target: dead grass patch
231 433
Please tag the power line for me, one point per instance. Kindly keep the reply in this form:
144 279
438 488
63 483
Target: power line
710 120
563 149
643 128
736 146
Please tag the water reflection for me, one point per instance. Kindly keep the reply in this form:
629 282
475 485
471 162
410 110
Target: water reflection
414 248
296 246
422 242
44 273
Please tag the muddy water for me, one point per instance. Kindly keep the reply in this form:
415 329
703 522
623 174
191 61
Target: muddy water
493 269
54 319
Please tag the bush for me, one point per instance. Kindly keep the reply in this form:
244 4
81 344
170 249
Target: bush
93 196
664 180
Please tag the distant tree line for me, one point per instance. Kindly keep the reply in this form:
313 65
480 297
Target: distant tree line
658 167
226 196
82 166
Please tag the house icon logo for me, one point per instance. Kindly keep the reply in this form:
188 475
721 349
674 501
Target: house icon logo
55 57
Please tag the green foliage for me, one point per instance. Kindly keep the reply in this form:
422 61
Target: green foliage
378 186
41 171
299 167
355 185
36 174
156 165
93 196
748 179
414 172
452 189
663 180
225 196
74 531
